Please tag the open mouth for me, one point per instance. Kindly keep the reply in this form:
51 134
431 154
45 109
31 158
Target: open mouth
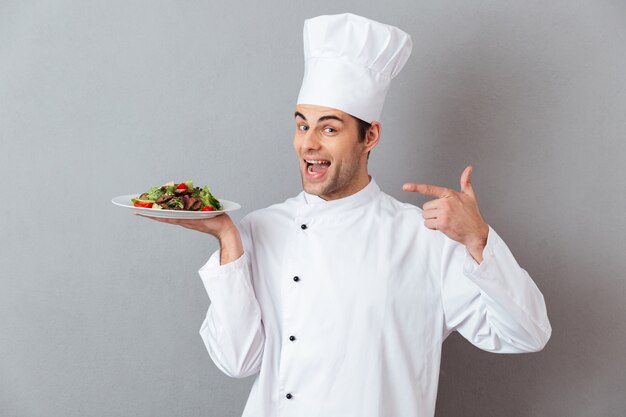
316 167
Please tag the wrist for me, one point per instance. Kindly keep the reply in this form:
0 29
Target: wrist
231 246
477 244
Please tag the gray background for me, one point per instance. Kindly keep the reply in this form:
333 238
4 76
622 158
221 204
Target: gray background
99 310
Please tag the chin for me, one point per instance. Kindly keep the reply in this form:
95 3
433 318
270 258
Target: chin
312 188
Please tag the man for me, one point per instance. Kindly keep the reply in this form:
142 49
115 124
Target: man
339 299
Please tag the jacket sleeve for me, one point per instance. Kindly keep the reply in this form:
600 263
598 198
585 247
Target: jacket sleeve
232 330
494 305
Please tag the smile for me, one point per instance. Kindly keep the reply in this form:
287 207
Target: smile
316 167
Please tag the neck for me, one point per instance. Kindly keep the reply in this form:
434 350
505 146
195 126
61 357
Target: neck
353 189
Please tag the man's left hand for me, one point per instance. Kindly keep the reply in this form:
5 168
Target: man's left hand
455 213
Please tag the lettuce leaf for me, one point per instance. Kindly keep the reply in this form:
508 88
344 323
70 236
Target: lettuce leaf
208 200
154 193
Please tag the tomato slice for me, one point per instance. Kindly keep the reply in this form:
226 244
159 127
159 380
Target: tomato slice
145 204
182 186
208 208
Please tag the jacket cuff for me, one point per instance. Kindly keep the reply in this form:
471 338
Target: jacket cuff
214 276
471 268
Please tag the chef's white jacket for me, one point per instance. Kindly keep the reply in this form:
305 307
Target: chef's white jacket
341 307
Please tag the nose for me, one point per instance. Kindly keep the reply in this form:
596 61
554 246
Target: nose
311 141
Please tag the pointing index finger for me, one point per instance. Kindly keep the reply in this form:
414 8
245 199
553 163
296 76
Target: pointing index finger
427 189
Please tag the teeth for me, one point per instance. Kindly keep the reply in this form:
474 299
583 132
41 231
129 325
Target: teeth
311 162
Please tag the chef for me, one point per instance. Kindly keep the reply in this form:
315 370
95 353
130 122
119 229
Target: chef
339 299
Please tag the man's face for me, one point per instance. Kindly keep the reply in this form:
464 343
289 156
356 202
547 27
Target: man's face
333 162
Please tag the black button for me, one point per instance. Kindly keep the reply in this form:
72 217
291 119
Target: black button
303 226
292 338
296 279
289 396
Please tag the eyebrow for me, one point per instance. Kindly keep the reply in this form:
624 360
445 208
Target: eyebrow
321 119
330 117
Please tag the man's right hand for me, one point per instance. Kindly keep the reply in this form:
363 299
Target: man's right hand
222 227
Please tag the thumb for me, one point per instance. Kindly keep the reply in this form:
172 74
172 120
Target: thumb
466 182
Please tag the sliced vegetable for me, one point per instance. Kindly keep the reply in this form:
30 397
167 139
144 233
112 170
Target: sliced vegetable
142 203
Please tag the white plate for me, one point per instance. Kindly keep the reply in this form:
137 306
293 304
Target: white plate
124 201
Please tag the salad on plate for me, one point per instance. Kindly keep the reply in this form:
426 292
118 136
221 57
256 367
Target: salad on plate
178 196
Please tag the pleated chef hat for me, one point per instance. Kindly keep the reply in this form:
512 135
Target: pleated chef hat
349 63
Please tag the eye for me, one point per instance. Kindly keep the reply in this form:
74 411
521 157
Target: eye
302 128
329 130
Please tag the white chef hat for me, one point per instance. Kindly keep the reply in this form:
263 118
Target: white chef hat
349 63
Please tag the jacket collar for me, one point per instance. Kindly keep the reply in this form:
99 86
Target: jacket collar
362 197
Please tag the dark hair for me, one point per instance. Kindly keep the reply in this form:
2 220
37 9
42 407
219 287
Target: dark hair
363 128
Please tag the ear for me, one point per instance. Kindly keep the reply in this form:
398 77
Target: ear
373 136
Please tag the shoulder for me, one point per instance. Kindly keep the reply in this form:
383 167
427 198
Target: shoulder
390 205
267 225
407 218
272 214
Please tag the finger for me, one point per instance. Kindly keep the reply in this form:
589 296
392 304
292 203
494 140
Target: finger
432 205
427 189
431 224
429 214
441 203
466 181
158 219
